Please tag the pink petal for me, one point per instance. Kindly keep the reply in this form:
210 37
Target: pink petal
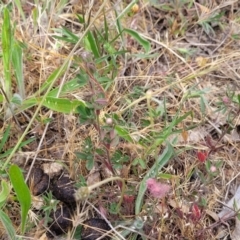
213 169
157 189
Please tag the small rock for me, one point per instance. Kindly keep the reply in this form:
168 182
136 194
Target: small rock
52 169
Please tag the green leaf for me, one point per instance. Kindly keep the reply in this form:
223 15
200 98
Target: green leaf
122 132
22 192
142 163
16 99
62 105
90 163
4 192
85 114
152 173
81 155
7 225
88 157
146 44
139 161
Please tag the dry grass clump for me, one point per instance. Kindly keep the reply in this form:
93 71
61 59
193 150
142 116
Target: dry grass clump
183 91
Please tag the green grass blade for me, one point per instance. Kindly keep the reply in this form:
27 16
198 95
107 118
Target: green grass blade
168 130
23 193
71 36
152 173
119 26
6 51
177 120
93 44
122 132
22 144
4 192
57 73
7 225
19 6
18 68
68 87
1 98
146 44
66 35
60 6
127 9
106 29
5 137
35 16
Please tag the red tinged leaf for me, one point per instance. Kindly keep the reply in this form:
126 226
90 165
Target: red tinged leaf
128 199
195 213
128 204
202 156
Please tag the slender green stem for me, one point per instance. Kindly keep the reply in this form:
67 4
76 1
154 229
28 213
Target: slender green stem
149 97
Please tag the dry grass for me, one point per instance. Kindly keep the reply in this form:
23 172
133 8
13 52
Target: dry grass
190 70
